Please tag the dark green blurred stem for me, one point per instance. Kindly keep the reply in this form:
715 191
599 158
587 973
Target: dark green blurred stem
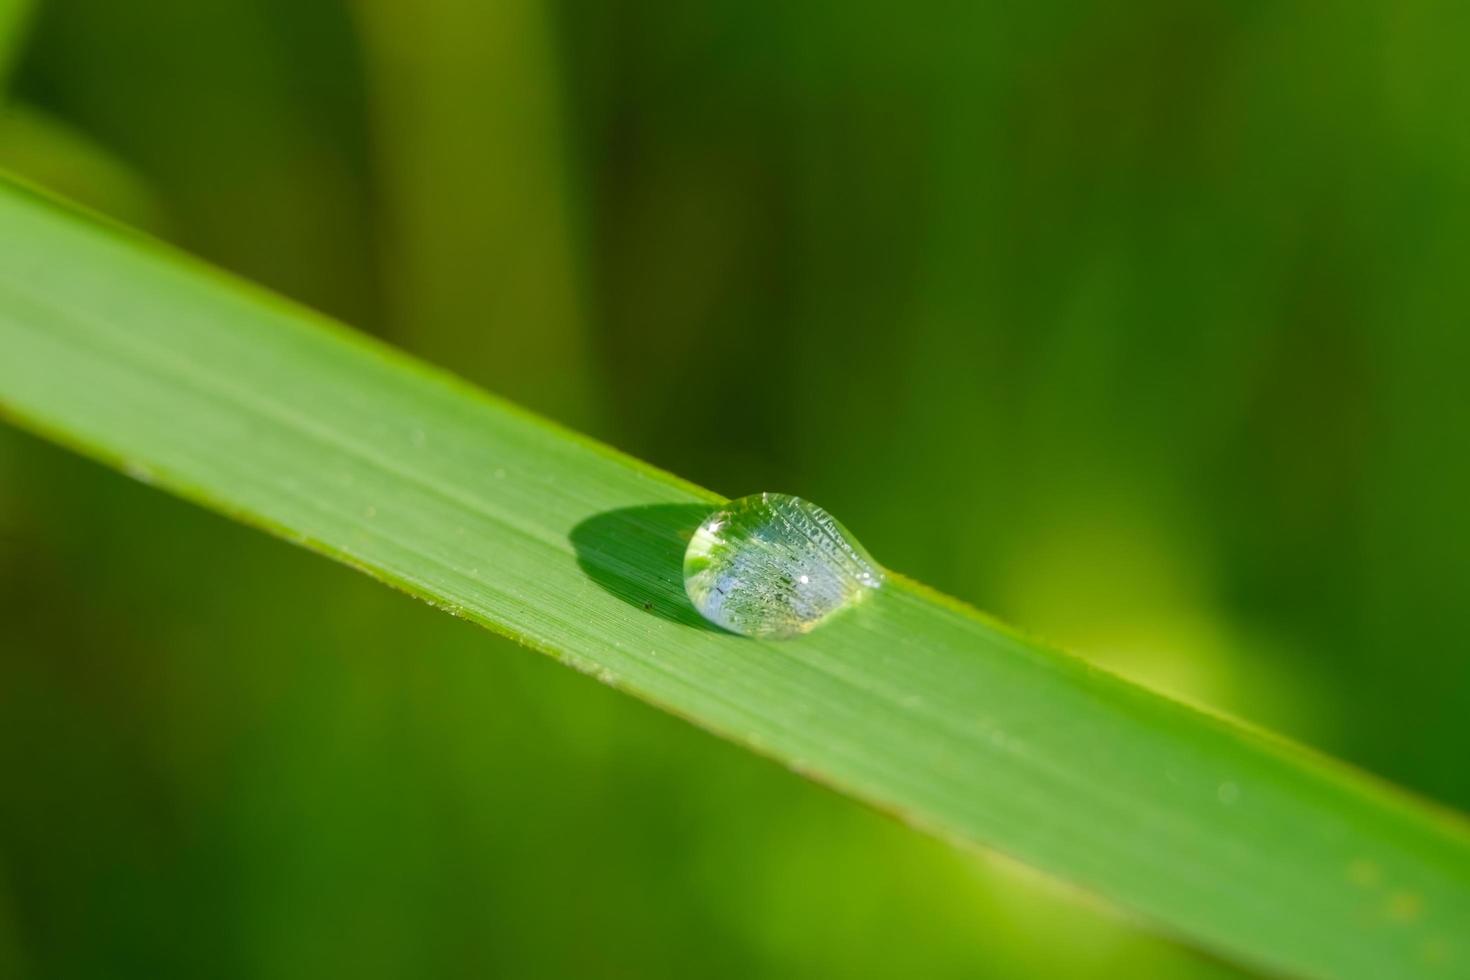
14 17
42 149
482 266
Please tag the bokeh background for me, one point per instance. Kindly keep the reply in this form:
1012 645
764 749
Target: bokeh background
1142 326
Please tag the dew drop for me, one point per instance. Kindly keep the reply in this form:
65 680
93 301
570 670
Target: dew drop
771 565
141 472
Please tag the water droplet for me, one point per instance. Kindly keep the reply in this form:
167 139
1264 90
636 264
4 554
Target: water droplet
772 565
141 472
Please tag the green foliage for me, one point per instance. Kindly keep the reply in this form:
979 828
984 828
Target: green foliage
14 16
1141 327
912 702
45 151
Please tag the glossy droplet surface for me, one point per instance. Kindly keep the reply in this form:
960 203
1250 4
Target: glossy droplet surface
772 565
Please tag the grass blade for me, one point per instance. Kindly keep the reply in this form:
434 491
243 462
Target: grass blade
247 404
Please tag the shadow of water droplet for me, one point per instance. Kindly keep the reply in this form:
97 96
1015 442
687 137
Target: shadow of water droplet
637 554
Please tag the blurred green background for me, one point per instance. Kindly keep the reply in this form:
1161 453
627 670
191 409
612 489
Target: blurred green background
1143 327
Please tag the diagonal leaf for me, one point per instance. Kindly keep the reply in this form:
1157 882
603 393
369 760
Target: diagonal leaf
914 703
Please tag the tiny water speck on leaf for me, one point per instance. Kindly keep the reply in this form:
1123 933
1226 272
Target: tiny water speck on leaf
772 565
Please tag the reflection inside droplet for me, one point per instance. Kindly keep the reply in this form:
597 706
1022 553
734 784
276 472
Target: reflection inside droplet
773 565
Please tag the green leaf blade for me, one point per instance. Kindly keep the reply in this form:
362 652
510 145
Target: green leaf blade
911 702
